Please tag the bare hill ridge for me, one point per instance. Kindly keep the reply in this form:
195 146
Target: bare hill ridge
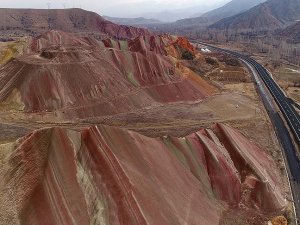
139 21
36 21
199 22
269 15
231 8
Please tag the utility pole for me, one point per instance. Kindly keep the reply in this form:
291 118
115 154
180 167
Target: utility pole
64 5
49 19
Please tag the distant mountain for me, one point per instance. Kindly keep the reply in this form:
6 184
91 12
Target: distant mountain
191 22
206 19
170 16
35 21
269 15
140 21
232 8
292 32
180 27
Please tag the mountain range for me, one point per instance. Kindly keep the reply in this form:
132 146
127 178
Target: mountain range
269 15
139 21
232 8
170 16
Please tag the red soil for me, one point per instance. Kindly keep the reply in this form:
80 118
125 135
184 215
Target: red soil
185 44
176 46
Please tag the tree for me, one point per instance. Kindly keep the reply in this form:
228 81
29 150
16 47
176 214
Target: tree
187 55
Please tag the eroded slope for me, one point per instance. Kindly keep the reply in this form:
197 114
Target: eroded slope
106 175
82 77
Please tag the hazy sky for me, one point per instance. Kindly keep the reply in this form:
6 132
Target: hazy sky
114 7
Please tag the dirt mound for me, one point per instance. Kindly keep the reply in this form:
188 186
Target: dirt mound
84 77
52 173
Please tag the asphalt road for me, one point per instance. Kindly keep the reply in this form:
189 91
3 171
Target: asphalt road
290 115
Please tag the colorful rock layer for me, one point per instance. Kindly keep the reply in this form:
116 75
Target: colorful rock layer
106 175
83 77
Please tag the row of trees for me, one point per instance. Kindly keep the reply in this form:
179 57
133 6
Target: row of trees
276 47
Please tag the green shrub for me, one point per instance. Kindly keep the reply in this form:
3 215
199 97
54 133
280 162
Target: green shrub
210 61
187 55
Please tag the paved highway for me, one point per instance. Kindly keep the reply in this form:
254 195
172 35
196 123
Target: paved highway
292 119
